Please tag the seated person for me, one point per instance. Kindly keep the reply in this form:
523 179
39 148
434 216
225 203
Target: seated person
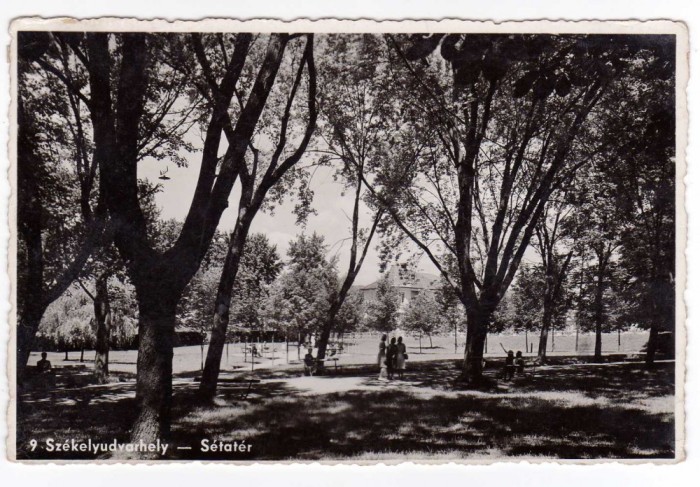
519 363
43 366
309 363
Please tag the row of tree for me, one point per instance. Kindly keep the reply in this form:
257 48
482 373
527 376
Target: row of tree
293 299
473 148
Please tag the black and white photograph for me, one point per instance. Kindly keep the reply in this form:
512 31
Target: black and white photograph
335 242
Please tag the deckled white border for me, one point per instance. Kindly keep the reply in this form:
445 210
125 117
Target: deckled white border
115 24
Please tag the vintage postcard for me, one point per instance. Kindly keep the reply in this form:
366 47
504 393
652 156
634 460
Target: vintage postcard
347 241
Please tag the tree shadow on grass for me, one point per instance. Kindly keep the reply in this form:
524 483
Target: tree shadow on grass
402 425
73 407
571 414
567 412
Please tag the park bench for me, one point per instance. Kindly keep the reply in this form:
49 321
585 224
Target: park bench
335 362
321 364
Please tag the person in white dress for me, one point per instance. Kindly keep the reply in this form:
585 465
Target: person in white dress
401 357
381 359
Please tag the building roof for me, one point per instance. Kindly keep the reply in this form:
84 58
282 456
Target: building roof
418 280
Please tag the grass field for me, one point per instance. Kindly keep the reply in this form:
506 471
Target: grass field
362 349
569 409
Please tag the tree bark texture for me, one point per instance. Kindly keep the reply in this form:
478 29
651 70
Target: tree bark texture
154 367
477 326
103 320
29 219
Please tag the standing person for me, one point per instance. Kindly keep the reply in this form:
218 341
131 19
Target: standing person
391 358
519 363
381 359
401 357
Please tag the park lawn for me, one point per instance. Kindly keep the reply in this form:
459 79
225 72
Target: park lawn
362 349
576 411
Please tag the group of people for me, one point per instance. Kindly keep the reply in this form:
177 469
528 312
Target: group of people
514 364
391 358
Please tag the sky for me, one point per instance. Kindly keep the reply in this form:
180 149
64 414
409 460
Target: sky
331 218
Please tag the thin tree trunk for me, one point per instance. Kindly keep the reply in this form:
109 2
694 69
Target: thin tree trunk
103 319
619 340
212 364
598 351
82 354
455 337
355 265
527 346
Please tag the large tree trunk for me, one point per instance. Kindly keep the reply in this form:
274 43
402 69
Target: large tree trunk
652 345
212 364
542 346
26 331
328 327
544 333
30 295
103 319
663 298
326 331
154 366
477 327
